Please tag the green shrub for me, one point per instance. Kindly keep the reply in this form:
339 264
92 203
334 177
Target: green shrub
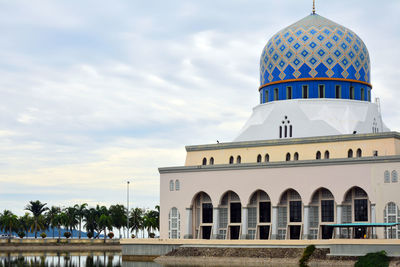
110 235
89 235
67 234
308 251
376 259
21 234
43 235
152 235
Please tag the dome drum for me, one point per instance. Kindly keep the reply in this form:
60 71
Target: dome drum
315 89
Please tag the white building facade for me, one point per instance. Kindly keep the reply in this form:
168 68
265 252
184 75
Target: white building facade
314 161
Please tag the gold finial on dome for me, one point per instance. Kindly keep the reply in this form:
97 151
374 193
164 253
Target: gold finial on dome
313 7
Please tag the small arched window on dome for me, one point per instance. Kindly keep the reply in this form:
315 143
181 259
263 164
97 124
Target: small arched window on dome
238 159
231 160
318 155
296 156
289 93
362 94
338 91
351 92
287 156
259 158
326 154
211 161
321 90
305 91
394 177
386 177
266 157
359 153
204 161
276 94
171 185
177 185
350 153
266 97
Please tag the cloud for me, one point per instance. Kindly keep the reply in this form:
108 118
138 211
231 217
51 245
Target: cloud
93 93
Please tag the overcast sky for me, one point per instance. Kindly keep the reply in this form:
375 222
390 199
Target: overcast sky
93 93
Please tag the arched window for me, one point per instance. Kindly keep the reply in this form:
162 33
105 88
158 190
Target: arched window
286 129
296 156
394 177
276 94
171 185
326 154
259 158
238 159
267 157
351 92
231 160
211 161
204 161
318 155
350 153
288 157
391 215
174 224
177 185
359 153
386 177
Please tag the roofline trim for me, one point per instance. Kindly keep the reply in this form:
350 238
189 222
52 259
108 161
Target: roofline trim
294 141
280 164
314 79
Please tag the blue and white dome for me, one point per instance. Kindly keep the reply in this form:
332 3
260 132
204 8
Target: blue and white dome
315 48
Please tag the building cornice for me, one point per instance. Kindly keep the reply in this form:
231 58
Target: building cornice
294 141
281 164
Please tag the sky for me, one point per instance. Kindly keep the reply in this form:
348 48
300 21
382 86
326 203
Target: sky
95 93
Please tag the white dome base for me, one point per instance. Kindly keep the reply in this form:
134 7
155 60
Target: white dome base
311 117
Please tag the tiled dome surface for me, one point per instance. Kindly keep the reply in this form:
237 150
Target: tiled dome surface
314 47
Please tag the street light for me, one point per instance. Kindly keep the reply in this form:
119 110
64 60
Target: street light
127 209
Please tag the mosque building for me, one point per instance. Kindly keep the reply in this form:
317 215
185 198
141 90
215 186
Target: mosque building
314 160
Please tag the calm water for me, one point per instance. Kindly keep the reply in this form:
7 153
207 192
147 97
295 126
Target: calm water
73 259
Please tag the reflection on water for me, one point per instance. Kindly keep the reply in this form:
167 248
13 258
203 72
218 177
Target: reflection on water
62 259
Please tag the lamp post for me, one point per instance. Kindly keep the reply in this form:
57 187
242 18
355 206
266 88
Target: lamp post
127 209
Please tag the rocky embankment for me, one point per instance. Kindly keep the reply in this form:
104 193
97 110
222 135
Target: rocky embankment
251 256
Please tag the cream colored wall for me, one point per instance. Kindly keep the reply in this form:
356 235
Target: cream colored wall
385 147
274 181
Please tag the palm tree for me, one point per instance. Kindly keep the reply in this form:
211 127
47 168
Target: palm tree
150 221
157 217
37 208
51 215
136 220
8 222
118 216
25 223
89 218
59 220
71 219
105 222
80 212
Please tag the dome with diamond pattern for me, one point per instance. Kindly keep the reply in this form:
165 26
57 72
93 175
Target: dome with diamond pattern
315 48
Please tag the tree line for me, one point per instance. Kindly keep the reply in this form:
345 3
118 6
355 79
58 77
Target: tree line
95 220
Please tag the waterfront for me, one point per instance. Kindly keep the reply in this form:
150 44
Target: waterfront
61 259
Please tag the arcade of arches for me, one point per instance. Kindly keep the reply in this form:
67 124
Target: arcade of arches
291 218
